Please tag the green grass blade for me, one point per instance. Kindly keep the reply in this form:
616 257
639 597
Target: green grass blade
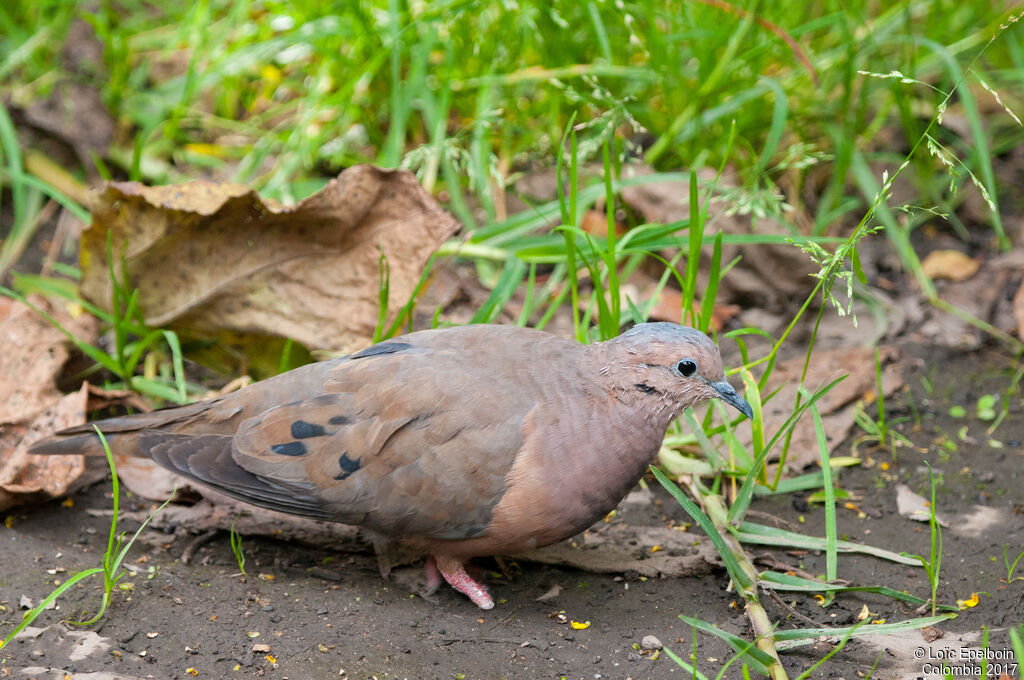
831 564
788 639
707 304
760 534
695 240
758 660
743 498
787 582
736 573
383 292
32 614
504 289
690 670
706 446
178 362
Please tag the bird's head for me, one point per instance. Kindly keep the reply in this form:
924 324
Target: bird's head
669 364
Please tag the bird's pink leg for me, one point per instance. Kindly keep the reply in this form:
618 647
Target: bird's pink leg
434 579
455 573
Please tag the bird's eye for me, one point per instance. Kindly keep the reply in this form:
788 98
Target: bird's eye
687 368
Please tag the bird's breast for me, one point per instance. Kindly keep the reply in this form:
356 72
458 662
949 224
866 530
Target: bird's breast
574 469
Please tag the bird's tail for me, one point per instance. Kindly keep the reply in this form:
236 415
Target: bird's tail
121 433
85 444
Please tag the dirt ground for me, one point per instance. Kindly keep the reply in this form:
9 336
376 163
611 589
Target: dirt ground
324 613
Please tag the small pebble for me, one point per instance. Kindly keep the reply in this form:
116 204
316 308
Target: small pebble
650 643
633 656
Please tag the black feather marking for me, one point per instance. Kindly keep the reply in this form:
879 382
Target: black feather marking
382 348
339 420
348 466
207 459
303 430
290 449
646 389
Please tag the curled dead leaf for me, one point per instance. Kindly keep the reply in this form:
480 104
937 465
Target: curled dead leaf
34 353
220 261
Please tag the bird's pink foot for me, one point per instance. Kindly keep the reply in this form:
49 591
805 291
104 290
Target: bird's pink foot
454 572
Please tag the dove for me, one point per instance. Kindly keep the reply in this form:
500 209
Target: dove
458 442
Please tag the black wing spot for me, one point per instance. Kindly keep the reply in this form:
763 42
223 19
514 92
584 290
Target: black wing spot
382 348
290 449
646 389
303 430
347 465
339 420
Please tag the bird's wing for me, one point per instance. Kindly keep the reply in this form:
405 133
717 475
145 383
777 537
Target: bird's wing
410 438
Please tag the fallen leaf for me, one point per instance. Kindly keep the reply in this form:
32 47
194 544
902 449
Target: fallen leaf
148 480
34 353
595 223
915 507
550 593
1018 310
579 625
836 408
219 261
950 264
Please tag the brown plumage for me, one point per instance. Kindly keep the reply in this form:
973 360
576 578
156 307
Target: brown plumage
460 442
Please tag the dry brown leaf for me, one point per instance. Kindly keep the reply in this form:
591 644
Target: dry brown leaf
34 353
101 398
147 479
914 506
1018 310
595 223
836 407
219 260
950 264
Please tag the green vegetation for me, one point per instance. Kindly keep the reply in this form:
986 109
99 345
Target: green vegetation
236 549
933 564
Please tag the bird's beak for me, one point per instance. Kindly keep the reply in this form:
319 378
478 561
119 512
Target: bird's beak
727 394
